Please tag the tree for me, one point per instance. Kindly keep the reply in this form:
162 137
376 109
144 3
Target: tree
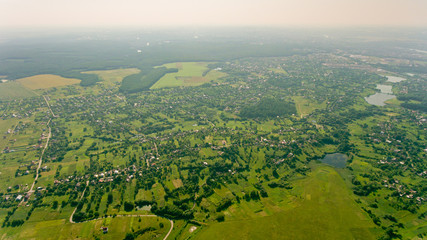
110 198
55 204
128 206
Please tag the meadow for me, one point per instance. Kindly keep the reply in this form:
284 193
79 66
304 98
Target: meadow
113 77
323 209
44 81
189 74
14 90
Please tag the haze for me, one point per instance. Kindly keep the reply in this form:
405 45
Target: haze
329 13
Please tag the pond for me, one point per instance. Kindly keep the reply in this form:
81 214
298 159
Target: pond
337 160
379 99
394 79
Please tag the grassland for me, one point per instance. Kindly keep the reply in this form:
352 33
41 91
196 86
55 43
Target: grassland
62 229
14 90
306 106
189 74
324 210
112 77
44 81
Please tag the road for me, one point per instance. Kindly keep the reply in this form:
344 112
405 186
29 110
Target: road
48 105
31 191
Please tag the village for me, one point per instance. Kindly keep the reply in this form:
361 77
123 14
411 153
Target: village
192 153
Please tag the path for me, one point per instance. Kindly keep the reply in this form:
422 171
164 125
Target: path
298 108
155 146
81 197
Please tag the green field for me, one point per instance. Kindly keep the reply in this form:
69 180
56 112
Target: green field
112 77
189 74
306 106
324 210
14 90
62 229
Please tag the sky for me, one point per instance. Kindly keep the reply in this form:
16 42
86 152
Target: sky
170 13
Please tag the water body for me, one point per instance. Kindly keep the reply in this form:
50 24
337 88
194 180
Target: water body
337 160
394 79
385 88
380 98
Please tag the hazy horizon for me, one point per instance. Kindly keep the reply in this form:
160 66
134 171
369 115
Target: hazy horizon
274 13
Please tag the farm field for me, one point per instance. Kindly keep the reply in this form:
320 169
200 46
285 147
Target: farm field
189 74
44 81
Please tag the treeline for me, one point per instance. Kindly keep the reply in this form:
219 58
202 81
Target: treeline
418 96
172 212
268 108
143 81
86 79
415 106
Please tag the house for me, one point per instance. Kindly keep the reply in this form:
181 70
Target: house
104 229
18 198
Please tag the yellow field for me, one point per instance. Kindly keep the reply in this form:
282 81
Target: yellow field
44 81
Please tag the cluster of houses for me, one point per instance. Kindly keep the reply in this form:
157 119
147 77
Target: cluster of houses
402 190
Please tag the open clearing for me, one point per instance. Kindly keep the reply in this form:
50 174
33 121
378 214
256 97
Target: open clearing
111 77
189 74
14 90
306 106
325 210
44 81
61 229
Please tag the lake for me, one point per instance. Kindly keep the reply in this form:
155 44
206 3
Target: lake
337 160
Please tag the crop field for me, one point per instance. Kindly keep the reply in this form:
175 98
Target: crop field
14 90
44 81
324 210
189 74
